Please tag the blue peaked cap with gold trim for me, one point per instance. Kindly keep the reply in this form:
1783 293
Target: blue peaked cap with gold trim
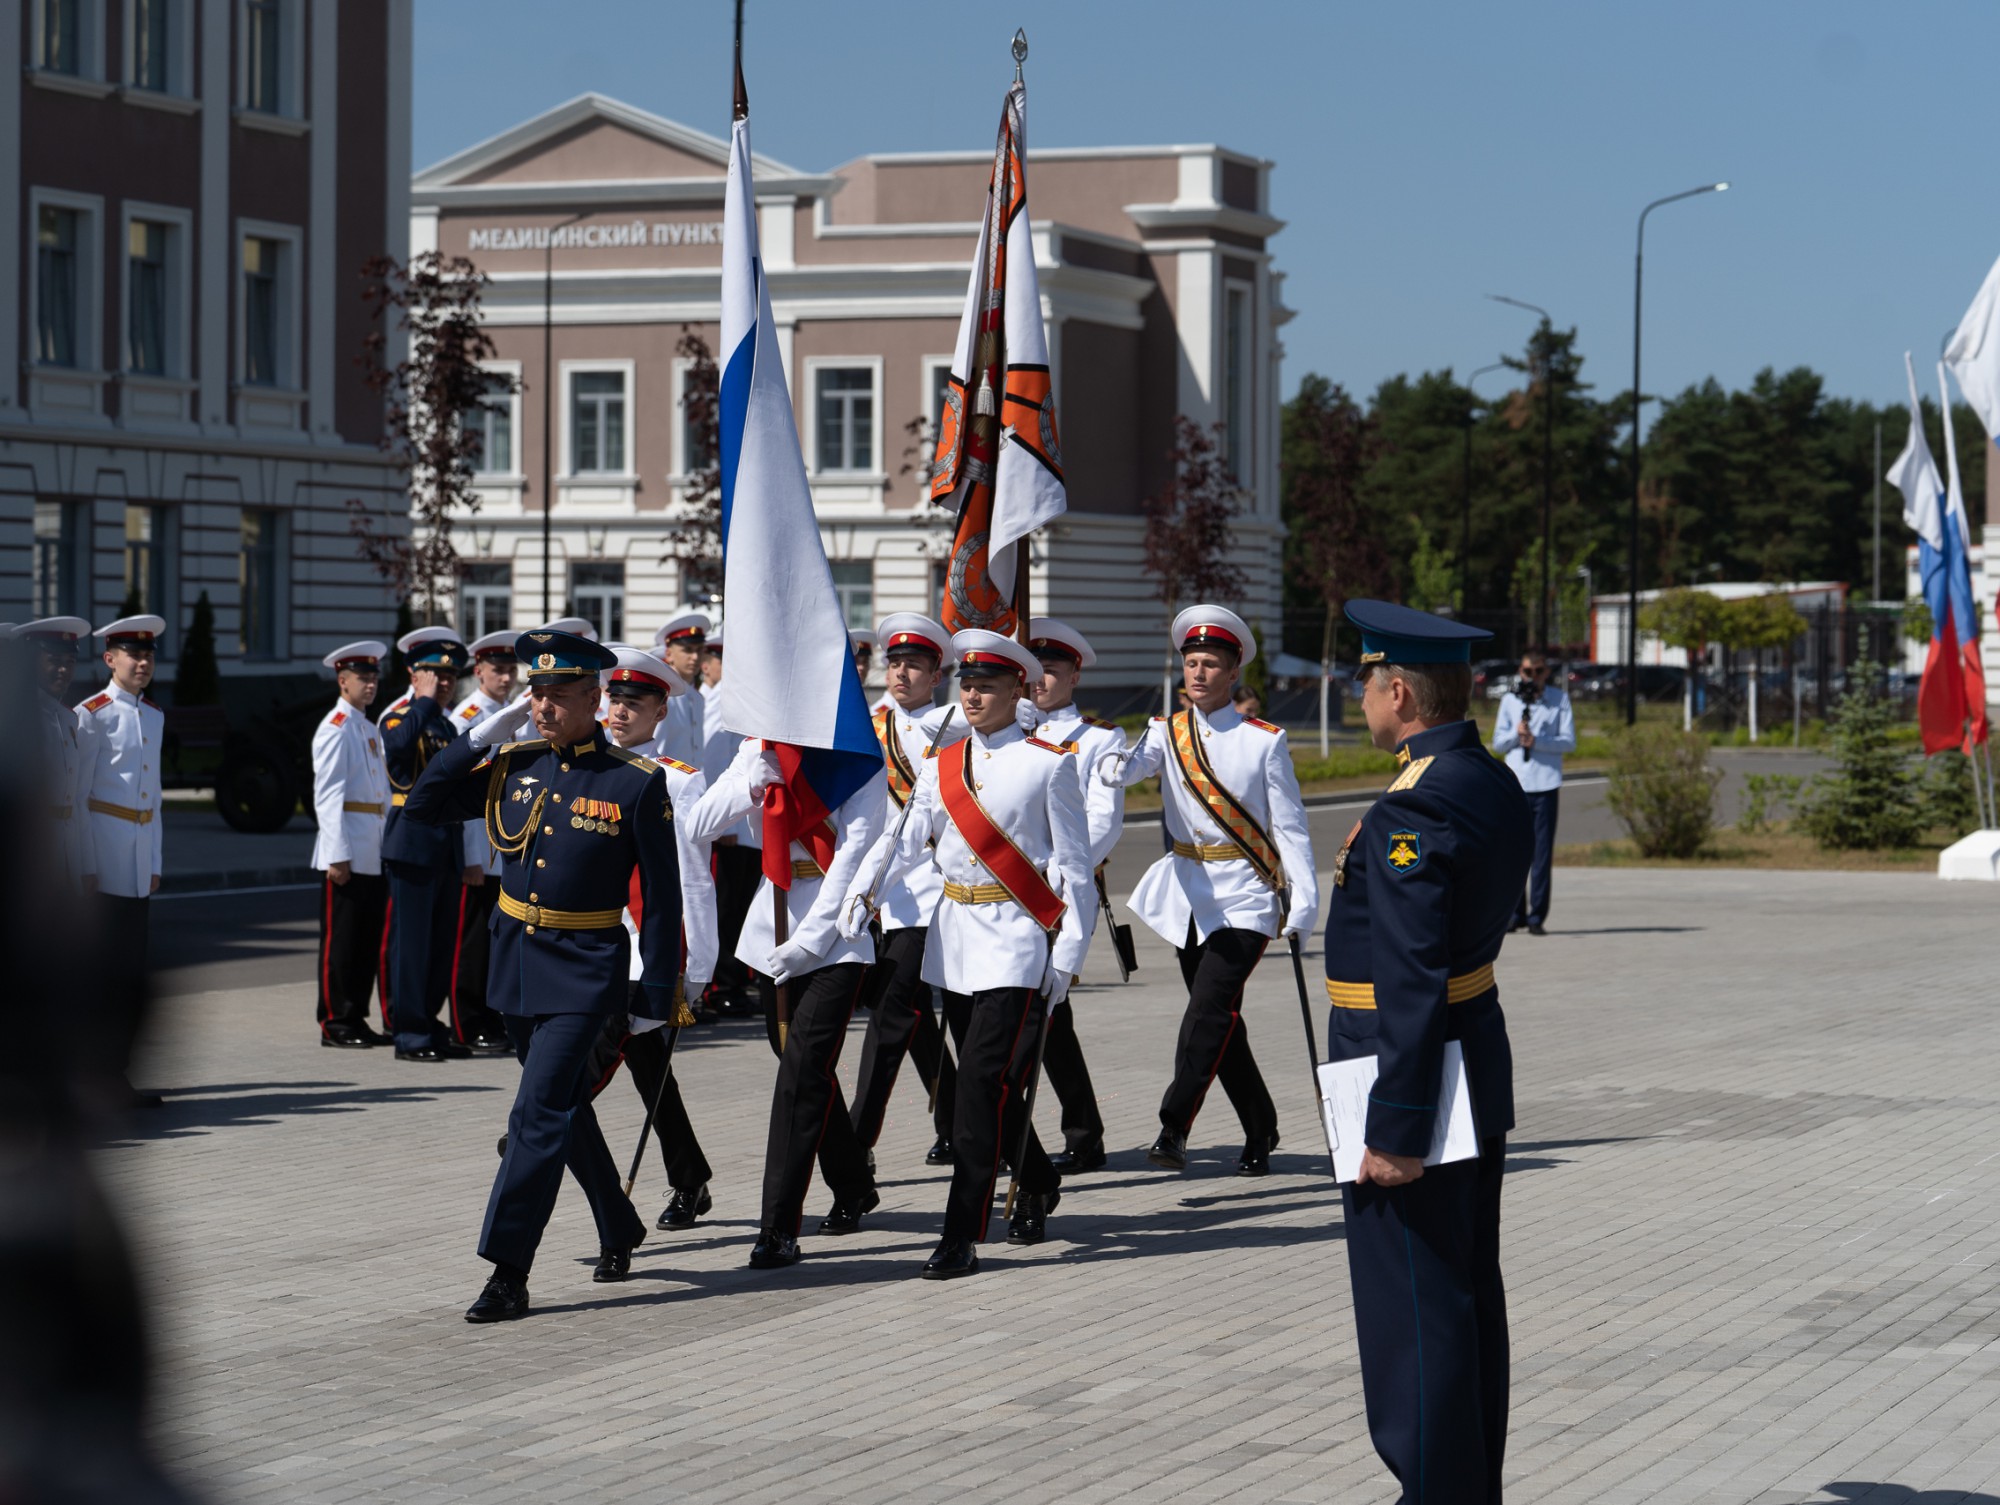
551 657
1392 634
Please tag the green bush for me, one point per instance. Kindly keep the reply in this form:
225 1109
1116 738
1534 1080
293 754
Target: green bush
1762 794
1663 789
1869 801
1945 797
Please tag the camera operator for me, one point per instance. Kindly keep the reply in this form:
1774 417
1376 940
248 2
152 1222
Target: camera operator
1535 729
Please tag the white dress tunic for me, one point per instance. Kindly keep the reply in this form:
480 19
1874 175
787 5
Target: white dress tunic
685 788
909 902
1092 742
350 791
1252 761
118 740
469 712
1031 791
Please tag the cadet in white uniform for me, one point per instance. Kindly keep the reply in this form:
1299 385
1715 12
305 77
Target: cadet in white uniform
679 645
738 852
474 1025
1005 811
351 802
53 641
1064 653
823 972
1240 874
120 734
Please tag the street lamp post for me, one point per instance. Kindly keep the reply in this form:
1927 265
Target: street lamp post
1632 556
1548 456
1465 500
548 406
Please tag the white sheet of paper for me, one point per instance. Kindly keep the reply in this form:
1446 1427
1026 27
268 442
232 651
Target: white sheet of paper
1343 1103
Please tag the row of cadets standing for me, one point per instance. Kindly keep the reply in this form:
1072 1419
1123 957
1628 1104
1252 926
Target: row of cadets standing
350 804
679 644
1239 875
917 653
1001 814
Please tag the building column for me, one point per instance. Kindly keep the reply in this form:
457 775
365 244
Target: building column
215 247
13 349
321 215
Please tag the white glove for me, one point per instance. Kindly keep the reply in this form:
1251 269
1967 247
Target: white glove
854 917
1111 770
789 960
502 726
1055 983
764 772
1295 925
1028 715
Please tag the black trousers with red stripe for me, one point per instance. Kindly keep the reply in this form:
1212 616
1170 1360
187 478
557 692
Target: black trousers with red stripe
996 1055
471 1019
737 870
900 1022
1069 1075
809 1118
646 1061
1214 1045
350 947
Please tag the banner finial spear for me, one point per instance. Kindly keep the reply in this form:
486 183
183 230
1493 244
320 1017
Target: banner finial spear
1020 50
742 109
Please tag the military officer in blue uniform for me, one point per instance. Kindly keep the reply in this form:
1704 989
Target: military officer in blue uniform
572 815
425 862
1423 892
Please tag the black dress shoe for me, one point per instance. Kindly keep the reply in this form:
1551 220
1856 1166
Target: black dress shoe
490 1045
773 1251
612 1265
941 1153
503 1146
1088 1156
421 1053
451 1050
846 1215
1256 1157
1169 1151
502 1301
1031 1216
360 1027
954 1257
684 1207
1536 930
346 1039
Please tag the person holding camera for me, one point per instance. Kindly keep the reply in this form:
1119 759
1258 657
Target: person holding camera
1535 730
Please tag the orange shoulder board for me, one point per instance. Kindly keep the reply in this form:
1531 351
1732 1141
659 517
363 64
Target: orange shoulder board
97 702
675 763
1262 726
469 712
1109 726
1050 746
339 719
393 721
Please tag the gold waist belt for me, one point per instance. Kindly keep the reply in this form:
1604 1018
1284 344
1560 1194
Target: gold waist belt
123 812
360 807
533 915
805 867
60 812
1216 851
1361 995
397 800
977 893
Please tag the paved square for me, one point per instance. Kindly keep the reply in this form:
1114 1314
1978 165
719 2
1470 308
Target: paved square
1749 1239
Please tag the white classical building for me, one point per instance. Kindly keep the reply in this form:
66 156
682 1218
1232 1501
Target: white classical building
599 226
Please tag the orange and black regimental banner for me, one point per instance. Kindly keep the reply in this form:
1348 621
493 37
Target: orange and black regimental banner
994 848
1222 806
902 778
1029 415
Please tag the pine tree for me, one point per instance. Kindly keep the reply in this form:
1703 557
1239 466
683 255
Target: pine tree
197 681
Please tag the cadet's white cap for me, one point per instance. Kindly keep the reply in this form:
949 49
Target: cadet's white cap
638 667
1199 626
983 652
689 624
366 654
861 637
422 635
714 635
912 629
496 645
139 629
1057 638
53 631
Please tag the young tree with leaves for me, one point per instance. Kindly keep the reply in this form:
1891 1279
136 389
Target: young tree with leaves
694 528
1190 527
1334 550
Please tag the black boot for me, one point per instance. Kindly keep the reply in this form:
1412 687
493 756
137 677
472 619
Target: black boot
504 1299
954 1257
1256 1157
1031 1215
773 1251
685 1207
941 1153
1088 1156
1169 1151
846 1215
612 1265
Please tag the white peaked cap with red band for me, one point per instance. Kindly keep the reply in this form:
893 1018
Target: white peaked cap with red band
366 654
496 645
912 629
980 650
574 626
418 636
1049 634
689 624
140 629
1202 625
637 666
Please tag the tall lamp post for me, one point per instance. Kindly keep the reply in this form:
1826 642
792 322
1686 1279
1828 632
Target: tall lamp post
548 406
1465 500
1632 555
1548 457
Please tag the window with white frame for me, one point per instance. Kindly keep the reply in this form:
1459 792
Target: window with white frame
149 312
844 418
1236 381
695 434
269 299
156 44
61 268
65 39
854 584
58 589
149 574
491 427
485 599
597 594
597 423
268 56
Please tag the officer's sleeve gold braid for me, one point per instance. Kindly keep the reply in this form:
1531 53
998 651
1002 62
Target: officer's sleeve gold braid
505 843
683 1015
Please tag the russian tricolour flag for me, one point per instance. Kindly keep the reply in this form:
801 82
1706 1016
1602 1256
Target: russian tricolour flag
791 679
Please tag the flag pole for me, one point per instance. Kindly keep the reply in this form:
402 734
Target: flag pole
1021 557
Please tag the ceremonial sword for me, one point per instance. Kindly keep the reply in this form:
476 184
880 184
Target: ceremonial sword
1306 1016
683 1015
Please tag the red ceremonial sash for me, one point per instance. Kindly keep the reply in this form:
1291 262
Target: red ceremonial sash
994 848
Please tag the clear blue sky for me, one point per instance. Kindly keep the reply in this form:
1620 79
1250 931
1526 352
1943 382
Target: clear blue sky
1426 154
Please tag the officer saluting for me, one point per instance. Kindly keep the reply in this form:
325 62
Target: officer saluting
1424 890
1240 849
351 804
1006 812
572 815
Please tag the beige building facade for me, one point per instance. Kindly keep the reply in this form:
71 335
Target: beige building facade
599 226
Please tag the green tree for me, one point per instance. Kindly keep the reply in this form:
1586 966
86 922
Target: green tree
1333 549
1433 574
1869 801
196 679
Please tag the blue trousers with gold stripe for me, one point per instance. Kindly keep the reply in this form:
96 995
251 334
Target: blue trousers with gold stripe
1431 1315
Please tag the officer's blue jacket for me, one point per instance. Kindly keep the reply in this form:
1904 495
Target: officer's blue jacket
571 825
1424 892
412 735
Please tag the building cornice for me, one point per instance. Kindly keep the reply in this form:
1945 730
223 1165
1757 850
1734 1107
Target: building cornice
16 429
1180 216
1064 154
664 192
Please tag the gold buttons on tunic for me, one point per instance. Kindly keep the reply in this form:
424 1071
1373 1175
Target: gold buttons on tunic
565 768
534 898
557 798
548 830
541 862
